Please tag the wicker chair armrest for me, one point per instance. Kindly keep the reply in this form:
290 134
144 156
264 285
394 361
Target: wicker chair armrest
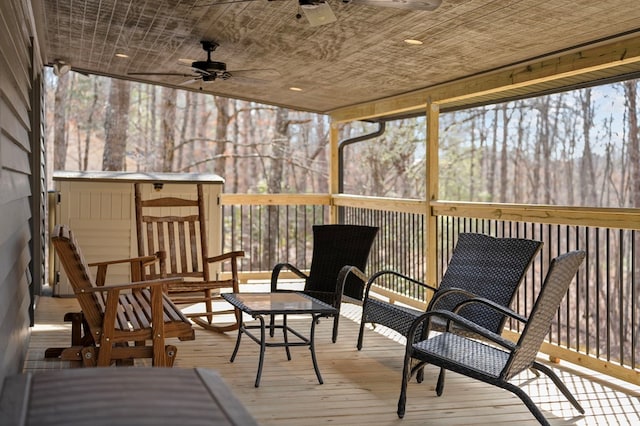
342 279
493 305
441 294
459 321
384 272
131 286
276 272
224 256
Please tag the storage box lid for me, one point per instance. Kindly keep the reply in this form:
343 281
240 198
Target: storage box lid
101 176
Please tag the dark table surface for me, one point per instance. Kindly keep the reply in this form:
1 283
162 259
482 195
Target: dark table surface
120 396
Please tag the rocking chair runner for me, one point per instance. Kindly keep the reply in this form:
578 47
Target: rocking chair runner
114 316
498 363
179 239
340 254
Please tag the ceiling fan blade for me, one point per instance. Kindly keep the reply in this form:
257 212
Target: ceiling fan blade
221 2
176 74
190 81
198 71
429 5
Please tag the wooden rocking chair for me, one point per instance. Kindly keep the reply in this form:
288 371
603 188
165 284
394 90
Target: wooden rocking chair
174 229
118 319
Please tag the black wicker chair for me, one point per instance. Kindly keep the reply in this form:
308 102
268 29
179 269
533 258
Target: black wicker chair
500 362
480 265
340 254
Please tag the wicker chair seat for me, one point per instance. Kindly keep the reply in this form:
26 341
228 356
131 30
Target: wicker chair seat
396 317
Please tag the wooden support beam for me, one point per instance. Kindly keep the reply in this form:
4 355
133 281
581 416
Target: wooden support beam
579 61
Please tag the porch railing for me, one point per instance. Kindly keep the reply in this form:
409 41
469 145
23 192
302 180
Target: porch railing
598 325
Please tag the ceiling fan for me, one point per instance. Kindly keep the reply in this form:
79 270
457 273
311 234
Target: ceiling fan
210 70
318 12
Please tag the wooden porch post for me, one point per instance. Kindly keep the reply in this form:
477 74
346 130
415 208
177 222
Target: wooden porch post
431 181
333 169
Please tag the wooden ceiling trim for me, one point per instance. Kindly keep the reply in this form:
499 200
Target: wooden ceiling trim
590 60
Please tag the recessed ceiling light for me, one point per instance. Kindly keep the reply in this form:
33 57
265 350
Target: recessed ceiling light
413 42
122 55
295 89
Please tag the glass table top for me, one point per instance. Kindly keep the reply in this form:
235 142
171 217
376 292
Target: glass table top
277 302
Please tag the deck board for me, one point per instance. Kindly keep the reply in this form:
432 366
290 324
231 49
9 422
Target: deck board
360 387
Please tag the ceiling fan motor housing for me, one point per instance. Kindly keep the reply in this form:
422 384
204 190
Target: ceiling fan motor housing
210 66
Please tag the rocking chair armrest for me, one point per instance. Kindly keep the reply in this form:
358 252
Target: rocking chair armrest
276 272
225 256
493 305
459 321
145 260
137 265
131 286
384 272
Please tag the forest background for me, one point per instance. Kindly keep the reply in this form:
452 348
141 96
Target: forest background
576 148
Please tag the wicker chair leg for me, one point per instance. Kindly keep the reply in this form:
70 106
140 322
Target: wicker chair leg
556 380
440 385
334 337
528 402
406 375
360 336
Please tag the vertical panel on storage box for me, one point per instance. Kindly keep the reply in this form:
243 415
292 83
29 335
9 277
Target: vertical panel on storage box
100 215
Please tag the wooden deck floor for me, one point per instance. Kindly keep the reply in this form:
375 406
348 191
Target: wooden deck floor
361 388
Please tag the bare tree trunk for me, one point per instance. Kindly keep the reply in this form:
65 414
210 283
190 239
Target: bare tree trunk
168 127
87 141
116 122
505 182
482 151
588 170
518 165
319 181
542 150
552 131
279 148
537 164
183 130
193 131
60 122
222 124
493 159
202 133
234 158
472 162
152 136
631 95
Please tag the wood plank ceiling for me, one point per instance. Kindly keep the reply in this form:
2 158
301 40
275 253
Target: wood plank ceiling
359 58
